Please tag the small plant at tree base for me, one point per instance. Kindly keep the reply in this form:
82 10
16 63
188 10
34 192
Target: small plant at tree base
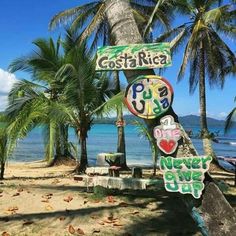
144 132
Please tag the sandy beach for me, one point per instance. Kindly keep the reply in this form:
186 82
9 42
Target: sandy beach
38 200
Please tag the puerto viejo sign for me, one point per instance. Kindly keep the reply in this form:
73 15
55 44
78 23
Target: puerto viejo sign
134 56
149 96
185 175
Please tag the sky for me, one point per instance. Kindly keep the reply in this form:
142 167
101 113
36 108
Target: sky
23 21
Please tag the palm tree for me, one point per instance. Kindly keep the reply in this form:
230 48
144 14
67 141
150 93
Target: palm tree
84 91
145 133
231 116
6 144
92 19
28 107
206 53
43 64
230 119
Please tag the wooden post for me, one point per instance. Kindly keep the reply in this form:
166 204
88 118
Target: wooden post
137 172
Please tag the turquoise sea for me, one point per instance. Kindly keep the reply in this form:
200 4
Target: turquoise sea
103 138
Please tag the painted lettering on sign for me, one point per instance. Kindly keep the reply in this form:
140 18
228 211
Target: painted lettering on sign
149 96
135 56
185 175
167 135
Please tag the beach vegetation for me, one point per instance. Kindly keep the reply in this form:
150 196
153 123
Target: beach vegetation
63 93
144 132
6 144
31 102
230 119
84 92
206 54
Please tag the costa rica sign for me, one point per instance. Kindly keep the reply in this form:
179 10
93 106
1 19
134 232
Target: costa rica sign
133 57
149 96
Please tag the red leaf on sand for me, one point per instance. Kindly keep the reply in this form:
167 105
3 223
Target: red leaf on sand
97 201
5 234
94 217
71 229
111 199
108 221
134 212
14 208
16 194
68 199
123 204
20 190
111 218
80 231
47 196
28 223
45 200
62 218
101 223
117 224
56 181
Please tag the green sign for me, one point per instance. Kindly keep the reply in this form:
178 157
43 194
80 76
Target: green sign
185 175
134 56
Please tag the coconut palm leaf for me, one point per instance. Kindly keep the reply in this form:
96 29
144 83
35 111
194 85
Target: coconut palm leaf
229 120
69 15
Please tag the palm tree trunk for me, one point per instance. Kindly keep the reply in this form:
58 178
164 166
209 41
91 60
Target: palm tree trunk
65 145
2 169
81 167
212 212
51 142
120 129
121 137
207 145
58 141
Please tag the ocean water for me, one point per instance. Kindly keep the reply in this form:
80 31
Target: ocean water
103 138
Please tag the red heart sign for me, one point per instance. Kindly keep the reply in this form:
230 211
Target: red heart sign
168 146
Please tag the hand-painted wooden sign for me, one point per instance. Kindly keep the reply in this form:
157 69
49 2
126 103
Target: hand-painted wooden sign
133 57
149 96
167 135
185 175
120 123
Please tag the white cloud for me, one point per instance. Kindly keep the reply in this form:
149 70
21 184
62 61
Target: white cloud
3 102
6 81
222 115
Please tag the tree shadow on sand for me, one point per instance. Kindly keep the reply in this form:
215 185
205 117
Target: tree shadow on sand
169 217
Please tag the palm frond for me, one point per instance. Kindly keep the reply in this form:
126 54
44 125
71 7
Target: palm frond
96 21
67 16
229 120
